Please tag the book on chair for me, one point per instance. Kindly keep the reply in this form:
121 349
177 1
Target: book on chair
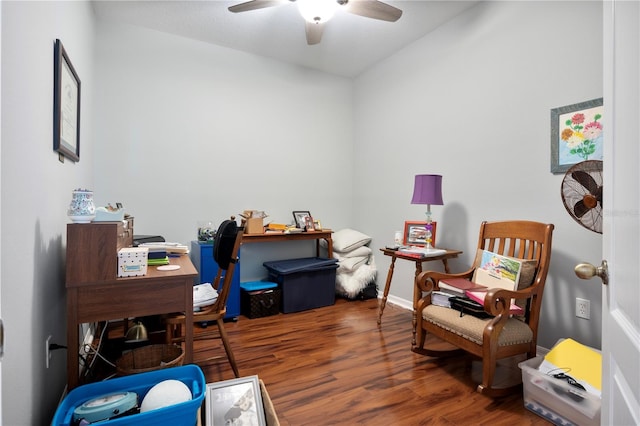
493 271
458 286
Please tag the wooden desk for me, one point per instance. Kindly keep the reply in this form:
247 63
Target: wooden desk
394 254
315 235
158 292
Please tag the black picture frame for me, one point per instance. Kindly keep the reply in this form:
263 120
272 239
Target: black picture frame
300 218
66 105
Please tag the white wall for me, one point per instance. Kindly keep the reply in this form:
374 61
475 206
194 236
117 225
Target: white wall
471 101
188 132
182 132
36 190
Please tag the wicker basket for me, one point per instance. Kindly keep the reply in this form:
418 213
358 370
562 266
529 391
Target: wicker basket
150 358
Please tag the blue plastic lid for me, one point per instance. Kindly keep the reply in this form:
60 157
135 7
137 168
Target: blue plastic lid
257 285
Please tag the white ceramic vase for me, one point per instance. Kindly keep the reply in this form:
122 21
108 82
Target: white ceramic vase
82 209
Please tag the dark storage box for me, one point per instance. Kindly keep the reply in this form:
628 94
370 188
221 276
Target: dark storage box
306 283
259 299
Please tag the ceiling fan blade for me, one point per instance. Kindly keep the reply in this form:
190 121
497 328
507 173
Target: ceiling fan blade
314 32
255 4
585 180
372 9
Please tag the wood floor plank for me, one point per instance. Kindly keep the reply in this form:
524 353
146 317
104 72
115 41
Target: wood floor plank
335 365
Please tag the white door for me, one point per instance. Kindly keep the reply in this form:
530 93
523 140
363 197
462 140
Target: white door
621 232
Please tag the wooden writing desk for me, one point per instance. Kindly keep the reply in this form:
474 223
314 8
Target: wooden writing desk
314 235
158 292
394 254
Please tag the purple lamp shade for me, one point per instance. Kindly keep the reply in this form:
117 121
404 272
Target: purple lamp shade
427 189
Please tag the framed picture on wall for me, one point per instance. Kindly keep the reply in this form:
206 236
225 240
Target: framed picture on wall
576 134
415 233
66 105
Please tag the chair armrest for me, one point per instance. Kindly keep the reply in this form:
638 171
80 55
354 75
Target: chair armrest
498 301
427 281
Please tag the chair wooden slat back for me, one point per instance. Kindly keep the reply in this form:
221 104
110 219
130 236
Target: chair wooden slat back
519 239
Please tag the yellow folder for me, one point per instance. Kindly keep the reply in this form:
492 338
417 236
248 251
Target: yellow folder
578 361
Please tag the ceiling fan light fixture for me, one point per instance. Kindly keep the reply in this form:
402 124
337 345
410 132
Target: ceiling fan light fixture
317 11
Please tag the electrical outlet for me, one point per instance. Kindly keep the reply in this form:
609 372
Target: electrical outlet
47 352
583 308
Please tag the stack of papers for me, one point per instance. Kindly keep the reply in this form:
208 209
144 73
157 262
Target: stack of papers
168 247
578 361
421 251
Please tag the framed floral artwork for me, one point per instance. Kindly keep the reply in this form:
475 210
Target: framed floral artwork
576 134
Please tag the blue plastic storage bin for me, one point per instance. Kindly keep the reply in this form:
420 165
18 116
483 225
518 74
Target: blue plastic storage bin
184 413
306 283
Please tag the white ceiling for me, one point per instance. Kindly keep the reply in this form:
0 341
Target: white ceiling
350 43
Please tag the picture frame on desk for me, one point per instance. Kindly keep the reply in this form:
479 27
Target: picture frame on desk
415 233
235 401
66 106
300 218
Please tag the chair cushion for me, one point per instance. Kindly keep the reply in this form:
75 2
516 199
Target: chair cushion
471 328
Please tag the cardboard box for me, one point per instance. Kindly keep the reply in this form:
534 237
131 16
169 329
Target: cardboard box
132 261
254 225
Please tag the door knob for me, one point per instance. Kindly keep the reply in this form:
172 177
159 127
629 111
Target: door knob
587 271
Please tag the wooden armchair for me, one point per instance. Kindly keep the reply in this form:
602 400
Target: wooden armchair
502 335
225 252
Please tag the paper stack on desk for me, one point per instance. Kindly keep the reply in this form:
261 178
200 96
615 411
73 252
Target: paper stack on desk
168 247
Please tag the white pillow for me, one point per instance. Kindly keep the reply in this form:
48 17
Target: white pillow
350 264
359 252
349 239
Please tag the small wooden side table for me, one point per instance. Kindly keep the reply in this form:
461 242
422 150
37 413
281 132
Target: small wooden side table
394 254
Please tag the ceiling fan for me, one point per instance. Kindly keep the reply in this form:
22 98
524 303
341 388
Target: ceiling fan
317 12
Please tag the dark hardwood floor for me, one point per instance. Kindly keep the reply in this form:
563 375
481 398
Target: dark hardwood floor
334 365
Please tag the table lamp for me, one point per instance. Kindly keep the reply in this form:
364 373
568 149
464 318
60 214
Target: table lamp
427 189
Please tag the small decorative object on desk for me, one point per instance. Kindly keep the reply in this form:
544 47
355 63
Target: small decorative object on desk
82 209
206 232
303 219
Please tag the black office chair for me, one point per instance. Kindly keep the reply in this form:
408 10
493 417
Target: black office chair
226 245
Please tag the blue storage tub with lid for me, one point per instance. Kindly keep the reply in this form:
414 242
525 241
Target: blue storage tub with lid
306 283
183 413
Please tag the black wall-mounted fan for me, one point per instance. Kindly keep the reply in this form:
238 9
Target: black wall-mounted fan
582 194
314 24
